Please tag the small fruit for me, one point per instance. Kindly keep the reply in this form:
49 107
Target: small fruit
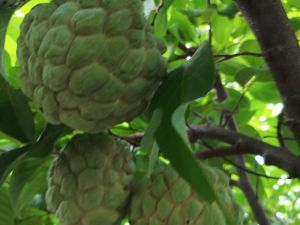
89 64
167 199
90 181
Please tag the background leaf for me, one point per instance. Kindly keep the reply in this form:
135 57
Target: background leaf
16 117
6 209
8 161
5 15
265 91
28 179
40 149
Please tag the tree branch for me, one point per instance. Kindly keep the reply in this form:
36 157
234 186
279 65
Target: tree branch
278 41
230 56
221 152
271 154
230 151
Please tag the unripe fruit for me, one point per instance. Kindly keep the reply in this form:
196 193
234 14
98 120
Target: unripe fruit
89 64
167 199
90 181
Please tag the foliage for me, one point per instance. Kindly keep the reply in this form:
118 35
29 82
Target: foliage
202 41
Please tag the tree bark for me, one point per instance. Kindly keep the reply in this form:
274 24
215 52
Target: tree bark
280 46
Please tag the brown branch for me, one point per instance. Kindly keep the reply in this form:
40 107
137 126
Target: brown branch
278 41
190 51
230 56
283 138
221 152
133 139
230 151
271 154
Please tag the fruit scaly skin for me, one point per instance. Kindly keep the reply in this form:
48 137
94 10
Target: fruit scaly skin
89 64
90 181
167 199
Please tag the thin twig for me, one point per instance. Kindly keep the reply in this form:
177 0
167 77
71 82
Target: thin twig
283 138
236 108
231 151
230 56
157 10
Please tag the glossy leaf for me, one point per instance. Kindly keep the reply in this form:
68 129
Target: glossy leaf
5 15
6 209
169 107
8 160
16 117
40 149
28 179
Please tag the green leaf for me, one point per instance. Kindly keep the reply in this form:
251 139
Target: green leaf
255 180
16 117
264 74
230 11
181 27
249 131
245 75
28 179
265 92
40 149
235 101
8 160
5 15
295 23
149 146
160 24
6 209
44 145
197 77
251 46
185 84
221 33
230 67
11 69
290 141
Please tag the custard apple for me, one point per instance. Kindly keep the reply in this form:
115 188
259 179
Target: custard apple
167 199
90 181
89 64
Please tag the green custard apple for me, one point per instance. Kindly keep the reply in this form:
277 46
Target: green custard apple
89 183
89 64
167 199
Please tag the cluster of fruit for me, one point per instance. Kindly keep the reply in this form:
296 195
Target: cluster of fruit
91 64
